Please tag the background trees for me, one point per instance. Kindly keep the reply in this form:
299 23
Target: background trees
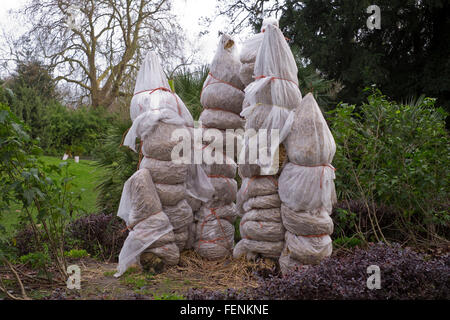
32 96
409 56
33 89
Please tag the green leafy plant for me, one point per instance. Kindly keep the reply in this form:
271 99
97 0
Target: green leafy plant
396 155
135 279
78 150
37 260
347 242
31 95
76 254
109 273
44 193
80 130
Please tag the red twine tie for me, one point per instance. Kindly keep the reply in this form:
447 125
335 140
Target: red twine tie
166 90
218 81
275 78
275 182
213 213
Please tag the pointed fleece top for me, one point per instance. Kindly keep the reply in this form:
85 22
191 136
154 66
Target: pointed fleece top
309 108
150 75
309 100
310 141
268 21
225 64
226 43
274 57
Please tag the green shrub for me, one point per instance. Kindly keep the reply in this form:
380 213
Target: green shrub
79 130
30 107
395 155
43 193
37 260
6 96
76 254
352 218
33 99
347 242
56 126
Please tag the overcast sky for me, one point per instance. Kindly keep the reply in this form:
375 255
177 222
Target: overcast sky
6 23
189 13
5 5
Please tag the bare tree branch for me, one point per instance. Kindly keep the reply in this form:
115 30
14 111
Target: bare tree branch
99 55
244 14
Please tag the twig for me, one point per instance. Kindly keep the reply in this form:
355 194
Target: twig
3 289
24 294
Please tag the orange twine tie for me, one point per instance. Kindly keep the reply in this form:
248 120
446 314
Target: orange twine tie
227 179
218 81
213 213
275 78
166 90
275 182
314 235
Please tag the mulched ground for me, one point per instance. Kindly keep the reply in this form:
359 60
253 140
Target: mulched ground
98 282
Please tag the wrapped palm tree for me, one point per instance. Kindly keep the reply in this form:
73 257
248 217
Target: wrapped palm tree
306 187
157 113
221 98
267 105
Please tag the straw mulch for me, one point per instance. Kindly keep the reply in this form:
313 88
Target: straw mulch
216 275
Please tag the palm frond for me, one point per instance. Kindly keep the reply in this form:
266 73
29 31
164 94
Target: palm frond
119 163
188 85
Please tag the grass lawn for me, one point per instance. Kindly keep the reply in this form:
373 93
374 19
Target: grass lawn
86 177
